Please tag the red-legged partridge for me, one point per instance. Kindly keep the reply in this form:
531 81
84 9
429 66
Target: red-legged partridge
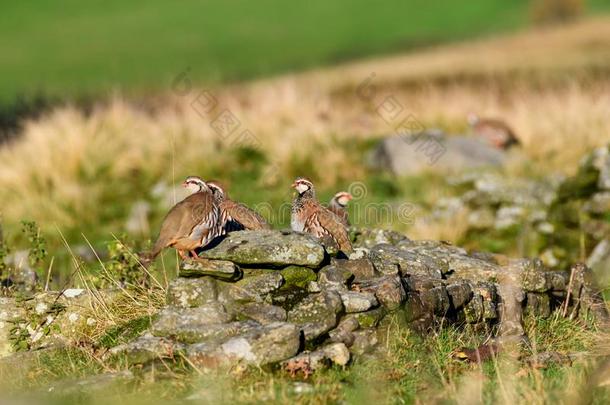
496 132
338 206
190 224
309 216
235 216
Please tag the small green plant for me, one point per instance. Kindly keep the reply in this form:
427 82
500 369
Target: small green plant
123 265
4 252
38 245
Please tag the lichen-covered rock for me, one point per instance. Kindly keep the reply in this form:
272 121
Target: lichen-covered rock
387 289
207 322
586 295
368 319
316 314
147 348
298 276
538 305
362 268
191 292
269 344
436 300
365 341
9 313
221 269
255 288
468 268
488 293
459 293
267 247
367 237
354 301
390 260
533 275
334 277
261 312
343 332
259 346
310 361
473 310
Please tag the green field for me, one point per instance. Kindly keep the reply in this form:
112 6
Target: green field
73 48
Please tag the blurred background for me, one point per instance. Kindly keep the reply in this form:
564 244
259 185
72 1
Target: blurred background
106 106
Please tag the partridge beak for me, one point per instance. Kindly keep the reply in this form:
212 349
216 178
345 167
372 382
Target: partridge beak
349 197
184 184
294 185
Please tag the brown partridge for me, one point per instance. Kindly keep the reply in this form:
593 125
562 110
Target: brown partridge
309 216
338 206
235 216
496 132
190 224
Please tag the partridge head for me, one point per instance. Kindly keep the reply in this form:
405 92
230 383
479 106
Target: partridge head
309 216
338 206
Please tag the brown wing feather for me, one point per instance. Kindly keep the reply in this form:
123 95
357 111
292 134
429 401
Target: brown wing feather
323 222
244 216
341 213
182 219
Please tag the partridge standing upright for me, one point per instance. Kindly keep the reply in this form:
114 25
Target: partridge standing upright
338 206
235 216
190 224
497 132
309 216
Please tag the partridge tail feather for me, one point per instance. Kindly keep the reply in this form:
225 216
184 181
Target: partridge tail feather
147 258
344 243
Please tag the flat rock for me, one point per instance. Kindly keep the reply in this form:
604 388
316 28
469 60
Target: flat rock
387 289
369 237
221 269
261 312
433 151
191 292
365 341
255 288
362 268
354 301
205 323
343 332
268 247
269 344
334 277
262 345
333 353
390 260
147 348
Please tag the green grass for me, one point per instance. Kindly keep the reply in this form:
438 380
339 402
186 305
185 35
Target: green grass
408 368
78 48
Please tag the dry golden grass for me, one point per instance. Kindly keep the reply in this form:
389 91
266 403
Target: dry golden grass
66 160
